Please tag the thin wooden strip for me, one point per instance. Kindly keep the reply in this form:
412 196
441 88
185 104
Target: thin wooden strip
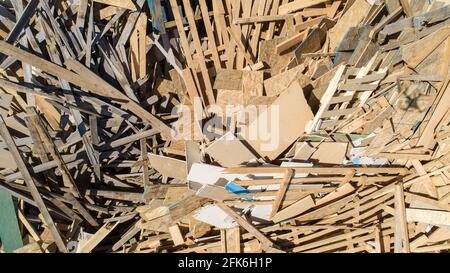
281 191
198 49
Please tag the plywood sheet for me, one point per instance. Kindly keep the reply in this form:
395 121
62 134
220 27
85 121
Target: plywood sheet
229 151
280 124
352 17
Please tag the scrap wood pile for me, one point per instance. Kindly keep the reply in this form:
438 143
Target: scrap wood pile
117 133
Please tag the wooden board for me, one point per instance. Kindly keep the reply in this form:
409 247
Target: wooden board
297 5
287 123
432 217
352 17
294 209
229 151
325 152
167 166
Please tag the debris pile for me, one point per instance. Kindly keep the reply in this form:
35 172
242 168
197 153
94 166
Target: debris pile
224 126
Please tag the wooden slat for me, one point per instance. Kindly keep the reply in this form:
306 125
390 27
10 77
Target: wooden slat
31 185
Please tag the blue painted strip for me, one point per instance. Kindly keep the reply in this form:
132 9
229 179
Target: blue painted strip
235 188
155 22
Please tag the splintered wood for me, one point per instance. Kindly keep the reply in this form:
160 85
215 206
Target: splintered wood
231 126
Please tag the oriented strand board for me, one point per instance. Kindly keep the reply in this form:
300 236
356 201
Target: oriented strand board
278 83
229 79
266 54
352 17
230 98
279 125
252 84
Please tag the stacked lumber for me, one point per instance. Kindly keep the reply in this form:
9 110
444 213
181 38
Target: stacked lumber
228 126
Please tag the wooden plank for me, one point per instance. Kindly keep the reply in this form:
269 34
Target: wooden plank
31 185
230 240
281 191
294 209
236 36
101 234
340 192
352 17
125 4
298 5
209 31
198 49
326 98
273 12
259 19
241 34
219 19
257 32
432 217
141 26
31 230
309 24
292 41
414 53
167 166
267 244
401 217
319 170
406 8
176 235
